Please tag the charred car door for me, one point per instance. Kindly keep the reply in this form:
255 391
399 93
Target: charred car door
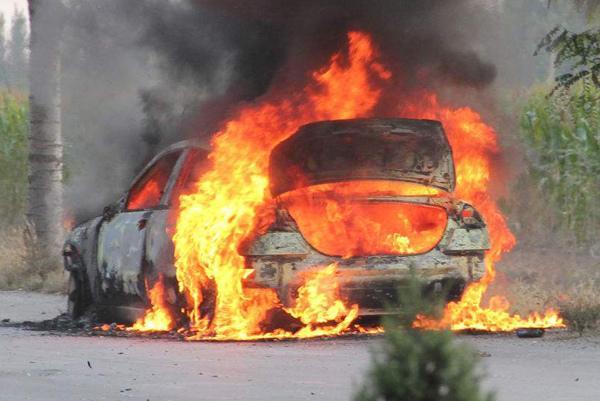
122 234
159 249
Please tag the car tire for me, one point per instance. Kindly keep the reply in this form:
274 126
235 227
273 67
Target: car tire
454 289
77 297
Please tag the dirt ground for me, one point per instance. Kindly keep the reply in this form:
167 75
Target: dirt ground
48 367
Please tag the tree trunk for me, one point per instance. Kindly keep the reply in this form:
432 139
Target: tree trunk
45 209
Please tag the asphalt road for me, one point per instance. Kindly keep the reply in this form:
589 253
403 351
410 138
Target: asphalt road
38 366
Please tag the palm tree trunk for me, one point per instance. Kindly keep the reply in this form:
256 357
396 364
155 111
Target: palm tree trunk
45 208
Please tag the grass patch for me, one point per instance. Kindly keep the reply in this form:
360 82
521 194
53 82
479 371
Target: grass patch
581 309
24 266
535 279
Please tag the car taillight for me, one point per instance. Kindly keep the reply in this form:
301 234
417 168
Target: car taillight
469 216
467 213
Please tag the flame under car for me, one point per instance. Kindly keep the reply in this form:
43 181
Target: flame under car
373 196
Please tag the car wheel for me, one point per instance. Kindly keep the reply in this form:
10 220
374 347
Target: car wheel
77 299
454 289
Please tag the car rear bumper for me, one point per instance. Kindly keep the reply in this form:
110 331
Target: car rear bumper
371 282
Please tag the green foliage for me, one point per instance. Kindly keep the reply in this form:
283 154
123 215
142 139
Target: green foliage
564 133
23 264
421 365
17 51
579 53
3 67
13 156
13 53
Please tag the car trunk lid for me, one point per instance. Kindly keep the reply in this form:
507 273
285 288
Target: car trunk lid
414 151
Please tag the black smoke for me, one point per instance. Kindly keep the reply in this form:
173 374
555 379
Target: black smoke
434 36
426 43
139 75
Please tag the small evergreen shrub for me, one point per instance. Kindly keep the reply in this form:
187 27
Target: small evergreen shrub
413 365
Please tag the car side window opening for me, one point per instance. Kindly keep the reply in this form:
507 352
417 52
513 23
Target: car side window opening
147 192
195 166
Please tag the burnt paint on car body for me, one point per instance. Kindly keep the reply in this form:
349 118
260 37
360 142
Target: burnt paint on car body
122 250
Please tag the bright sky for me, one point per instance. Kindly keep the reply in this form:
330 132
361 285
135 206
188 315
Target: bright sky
7 7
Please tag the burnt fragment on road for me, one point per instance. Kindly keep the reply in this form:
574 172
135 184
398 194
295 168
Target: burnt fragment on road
530 333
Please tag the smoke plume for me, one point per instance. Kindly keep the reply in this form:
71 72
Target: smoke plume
140 75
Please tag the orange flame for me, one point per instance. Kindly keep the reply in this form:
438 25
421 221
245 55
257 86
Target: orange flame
319 303
340 225
214 221
474 146
158 317
230 200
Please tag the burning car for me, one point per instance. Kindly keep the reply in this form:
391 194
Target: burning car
372 196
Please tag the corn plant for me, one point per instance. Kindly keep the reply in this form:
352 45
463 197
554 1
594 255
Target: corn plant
563 132
13 156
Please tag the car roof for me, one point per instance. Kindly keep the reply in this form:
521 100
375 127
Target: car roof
188 143
181 145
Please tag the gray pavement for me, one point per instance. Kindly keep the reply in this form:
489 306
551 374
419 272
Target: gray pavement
38 366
